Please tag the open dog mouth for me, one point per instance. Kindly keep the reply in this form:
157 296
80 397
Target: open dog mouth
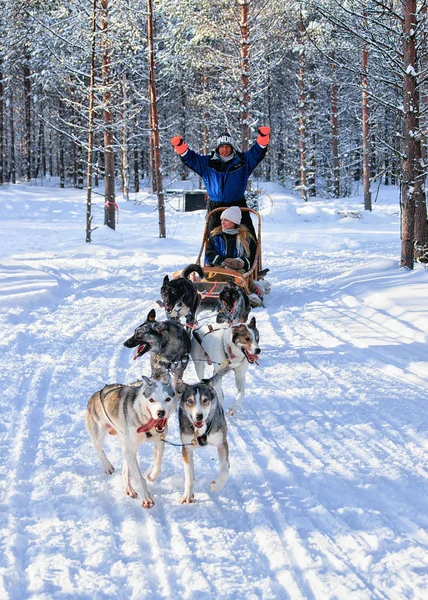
229 306
158 424
198 424
252 358
141 349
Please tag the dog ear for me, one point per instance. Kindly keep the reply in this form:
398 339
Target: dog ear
252 323
146 385
165 280
152 315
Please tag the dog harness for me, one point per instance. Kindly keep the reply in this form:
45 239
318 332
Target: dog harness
229 356
158 362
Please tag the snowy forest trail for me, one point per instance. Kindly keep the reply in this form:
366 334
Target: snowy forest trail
327 490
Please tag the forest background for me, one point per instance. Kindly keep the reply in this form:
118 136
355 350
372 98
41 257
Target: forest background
91 92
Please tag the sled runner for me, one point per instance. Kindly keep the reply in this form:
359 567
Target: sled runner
216 277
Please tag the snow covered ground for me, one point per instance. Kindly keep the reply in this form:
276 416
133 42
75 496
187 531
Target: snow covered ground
327 491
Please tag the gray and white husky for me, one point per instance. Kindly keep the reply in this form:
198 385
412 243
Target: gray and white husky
202 422
137 413
168 344
237 346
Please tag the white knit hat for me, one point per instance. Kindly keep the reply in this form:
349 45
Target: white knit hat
233 213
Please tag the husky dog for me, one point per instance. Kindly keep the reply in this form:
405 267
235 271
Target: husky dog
168 343
180 296
202 422
220 344
233 305
136 413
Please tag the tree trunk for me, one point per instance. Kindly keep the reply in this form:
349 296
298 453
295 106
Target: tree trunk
412 195
184 171
365 124
2 162
155 120
421 223
312 158
302 115
136 159
91 126
245 75
206 116
151 165
40 159
61 144
12 167
27 131
109 191
335 132
124 148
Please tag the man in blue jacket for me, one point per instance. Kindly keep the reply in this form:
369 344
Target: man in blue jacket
225 171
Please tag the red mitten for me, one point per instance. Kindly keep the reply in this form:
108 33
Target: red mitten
263 138
179 144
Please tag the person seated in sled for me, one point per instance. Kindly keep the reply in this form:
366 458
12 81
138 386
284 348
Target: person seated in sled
231 245
225 172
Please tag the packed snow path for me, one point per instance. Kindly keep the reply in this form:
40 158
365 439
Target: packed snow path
327 490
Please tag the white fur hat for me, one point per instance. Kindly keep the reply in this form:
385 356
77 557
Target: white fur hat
233 213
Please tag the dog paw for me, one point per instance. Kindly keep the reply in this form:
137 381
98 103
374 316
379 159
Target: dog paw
108 469
147 503
216 486
232 411
153 475
187 499
129 491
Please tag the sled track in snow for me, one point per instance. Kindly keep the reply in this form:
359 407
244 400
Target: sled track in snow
308 466
26 425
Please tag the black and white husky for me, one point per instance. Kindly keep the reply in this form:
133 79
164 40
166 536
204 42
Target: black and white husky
237 346
233 305
202 422
136 413
180 296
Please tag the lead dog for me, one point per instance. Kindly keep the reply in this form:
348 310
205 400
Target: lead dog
220 344
168 344
137 413
180 296
202 422
233 305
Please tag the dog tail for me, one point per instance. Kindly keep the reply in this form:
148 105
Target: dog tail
190 269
